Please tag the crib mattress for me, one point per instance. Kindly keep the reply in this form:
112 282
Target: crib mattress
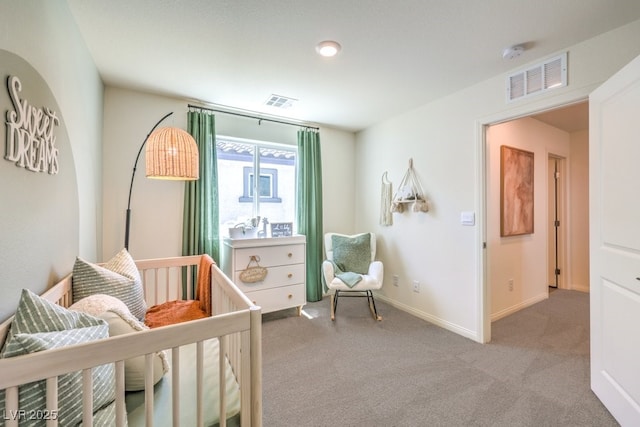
162 392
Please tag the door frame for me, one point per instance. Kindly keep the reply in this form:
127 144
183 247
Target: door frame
562 209
483 294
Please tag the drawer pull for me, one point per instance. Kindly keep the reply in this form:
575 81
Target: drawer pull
289 254
290 296
290 275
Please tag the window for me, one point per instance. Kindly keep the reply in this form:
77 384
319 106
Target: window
242 196
267 186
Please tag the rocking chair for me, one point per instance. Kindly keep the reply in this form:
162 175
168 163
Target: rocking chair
351 270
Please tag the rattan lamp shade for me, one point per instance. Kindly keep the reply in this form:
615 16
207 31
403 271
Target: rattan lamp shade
172 153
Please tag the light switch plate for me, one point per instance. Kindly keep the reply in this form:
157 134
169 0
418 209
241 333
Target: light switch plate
468 218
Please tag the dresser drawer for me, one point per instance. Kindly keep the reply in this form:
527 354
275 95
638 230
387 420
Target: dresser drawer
283 257
270 255
278 298
276 276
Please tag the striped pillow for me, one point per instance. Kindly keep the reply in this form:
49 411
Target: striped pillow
105 416
119 277
41 325
35 314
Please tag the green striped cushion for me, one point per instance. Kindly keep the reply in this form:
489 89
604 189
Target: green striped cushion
32 397
40 325
35 314
119 278
105 416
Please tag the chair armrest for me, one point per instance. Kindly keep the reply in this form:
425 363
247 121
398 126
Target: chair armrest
376 270
328 272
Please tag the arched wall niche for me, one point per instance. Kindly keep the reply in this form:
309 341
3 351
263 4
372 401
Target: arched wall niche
39 210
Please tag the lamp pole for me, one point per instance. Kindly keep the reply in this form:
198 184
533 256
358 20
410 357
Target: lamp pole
135 165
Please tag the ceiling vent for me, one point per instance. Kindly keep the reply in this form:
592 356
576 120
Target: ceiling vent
540 78
278 101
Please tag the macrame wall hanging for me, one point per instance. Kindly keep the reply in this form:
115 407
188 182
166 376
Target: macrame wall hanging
386 218
409 191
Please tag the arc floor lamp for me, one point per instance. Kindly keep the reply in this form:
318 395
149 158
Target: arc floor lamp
172 154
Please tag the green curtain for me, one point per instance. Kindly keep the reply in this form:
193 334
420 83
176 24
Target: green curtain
200 231
309 207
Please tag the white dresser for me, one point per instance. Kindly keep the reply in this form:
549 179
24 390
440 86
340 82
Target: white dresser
283 257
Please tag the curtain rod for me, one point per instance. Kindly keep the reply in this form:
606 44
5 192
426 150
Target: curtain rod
253 117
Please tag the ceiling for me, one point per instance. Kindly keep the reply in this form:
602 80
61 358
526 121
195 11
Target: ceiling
396 55
570 119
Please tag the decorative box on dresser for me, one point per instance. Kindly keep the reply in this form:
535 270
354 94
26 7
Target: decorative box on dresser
283 257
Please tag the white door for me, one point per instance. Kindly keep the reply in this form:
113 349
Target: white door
614 162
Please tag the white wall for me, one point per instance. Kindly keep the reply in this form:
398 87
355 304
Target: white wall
156 219
579 211
444 138
340 208
520 258
45 35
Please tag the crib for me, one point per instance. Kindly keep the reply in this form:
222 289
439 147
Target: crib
234 330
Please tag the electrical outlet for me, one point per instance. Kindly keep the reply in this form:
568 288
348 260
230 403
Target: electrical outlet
396 280
510 285
416 286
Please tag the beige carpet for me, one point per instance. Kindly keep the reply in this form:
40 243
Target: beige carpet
404 371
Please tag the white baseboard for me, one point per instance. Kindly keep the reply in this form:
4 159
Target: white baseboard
524 304
467 333
580 288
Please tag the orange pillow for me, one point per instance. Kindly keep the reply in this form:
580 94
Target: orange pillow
172 312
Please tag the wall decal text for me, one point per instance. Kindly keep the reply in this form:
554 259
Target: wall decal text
30 143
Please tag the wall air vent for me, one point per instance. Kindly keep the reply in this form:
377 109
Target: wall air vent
540 78
278 101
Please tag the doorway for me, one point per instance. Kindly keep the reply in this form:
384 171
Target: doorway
523 279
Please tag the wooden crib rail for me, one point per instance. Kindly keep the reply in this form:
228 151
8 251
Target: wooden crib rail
166 279
236 322
51 364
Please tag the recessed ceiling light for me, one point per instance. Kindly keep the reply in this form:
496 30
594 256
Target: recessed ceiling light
328 48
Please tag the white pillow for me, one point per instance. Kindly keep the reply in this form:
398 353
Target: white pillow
122 322
97 304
